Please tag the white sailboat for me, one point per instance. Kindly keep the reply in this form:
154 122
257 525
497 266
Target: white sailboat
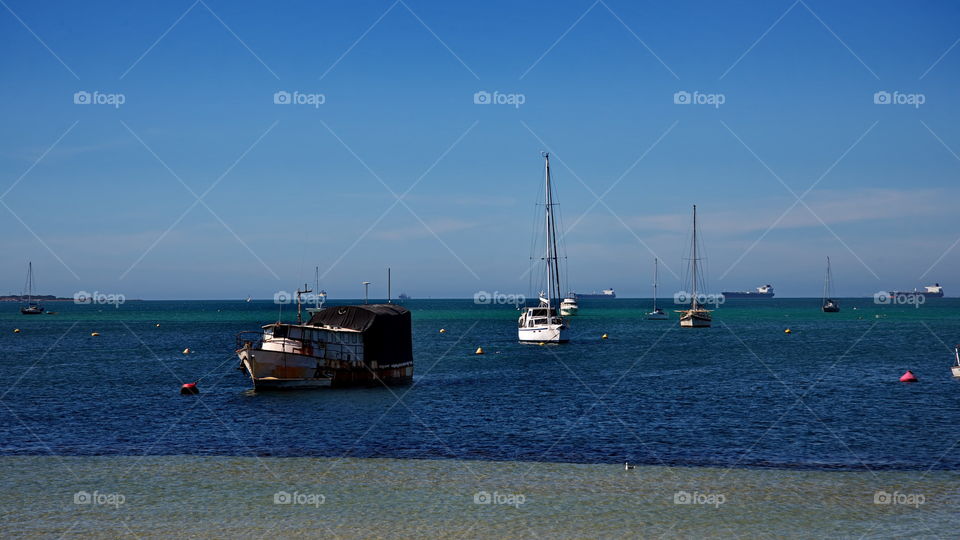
544 323
696 316
829 305
321 295
569 307
657 314
31 308
956 366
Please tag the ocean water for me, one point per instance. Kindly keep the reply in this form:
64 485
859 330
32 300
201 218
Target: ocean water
740 394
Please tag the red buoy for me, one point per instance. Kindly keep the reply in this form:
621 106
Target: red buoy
189 388
908 377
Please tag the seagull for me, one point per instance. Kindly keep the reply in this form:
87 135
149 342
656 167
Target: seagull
627 466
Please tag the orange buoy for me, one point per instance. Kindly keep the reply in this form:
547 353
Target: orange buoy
908 377
787 331
189 388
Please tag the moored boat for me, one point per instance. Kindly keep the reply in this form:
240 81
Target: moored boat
340 346
569 307
696 316
657 314
31 307
829 305
956 363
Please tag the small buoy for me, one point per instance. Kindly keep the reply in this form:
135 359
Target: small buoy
158 325
541 344
443 330
908 377
16 330
186 351
787 331
94 334
479 350
627 466
603 336
189 388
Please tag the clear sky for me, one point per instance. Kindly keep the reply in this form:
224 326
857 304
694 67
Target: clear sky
105 197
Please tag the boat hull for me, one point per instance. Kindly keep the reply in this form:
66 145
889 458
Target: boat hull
956 371
745 294
657 316
695 319
545 334
286 370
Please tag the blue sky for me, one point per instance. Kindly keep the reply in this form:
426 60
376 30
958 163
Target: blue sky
104 198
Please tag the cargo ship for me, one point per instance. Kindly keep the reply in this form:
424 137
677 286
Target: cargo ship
930 291
340 346
762 292
606 293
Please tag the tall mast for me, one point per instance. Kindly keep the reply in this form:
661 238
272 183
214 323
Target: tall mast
694 303
826 281
553 270
655 278
29 281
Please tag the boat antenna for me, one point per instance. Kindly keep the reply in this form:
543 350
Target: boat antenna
388 286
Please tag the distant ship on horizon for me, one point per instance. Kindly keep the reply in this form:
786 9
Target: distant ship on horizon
606 293
933 291
765 291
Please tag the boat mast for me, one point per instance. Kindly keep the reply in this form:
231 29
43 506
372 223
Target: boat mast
29 282
655 279
553 269
826 282
694 305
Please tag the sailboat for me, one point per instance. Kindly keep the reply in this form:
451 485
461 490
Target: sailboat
657 314
829 304
696 316
543 323
321 295
956 366
32 308
569 307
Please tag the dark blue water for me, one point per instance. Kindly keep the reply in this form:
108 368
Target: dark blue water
742 393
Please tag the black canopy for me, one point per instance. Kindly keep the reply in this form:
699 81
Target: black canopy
386 328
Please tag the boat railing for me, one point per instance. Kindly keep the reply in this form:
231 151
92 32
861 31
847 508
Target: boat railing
249 337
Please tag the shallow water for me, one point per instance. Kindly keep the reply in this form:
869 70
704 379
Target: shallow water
234 497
